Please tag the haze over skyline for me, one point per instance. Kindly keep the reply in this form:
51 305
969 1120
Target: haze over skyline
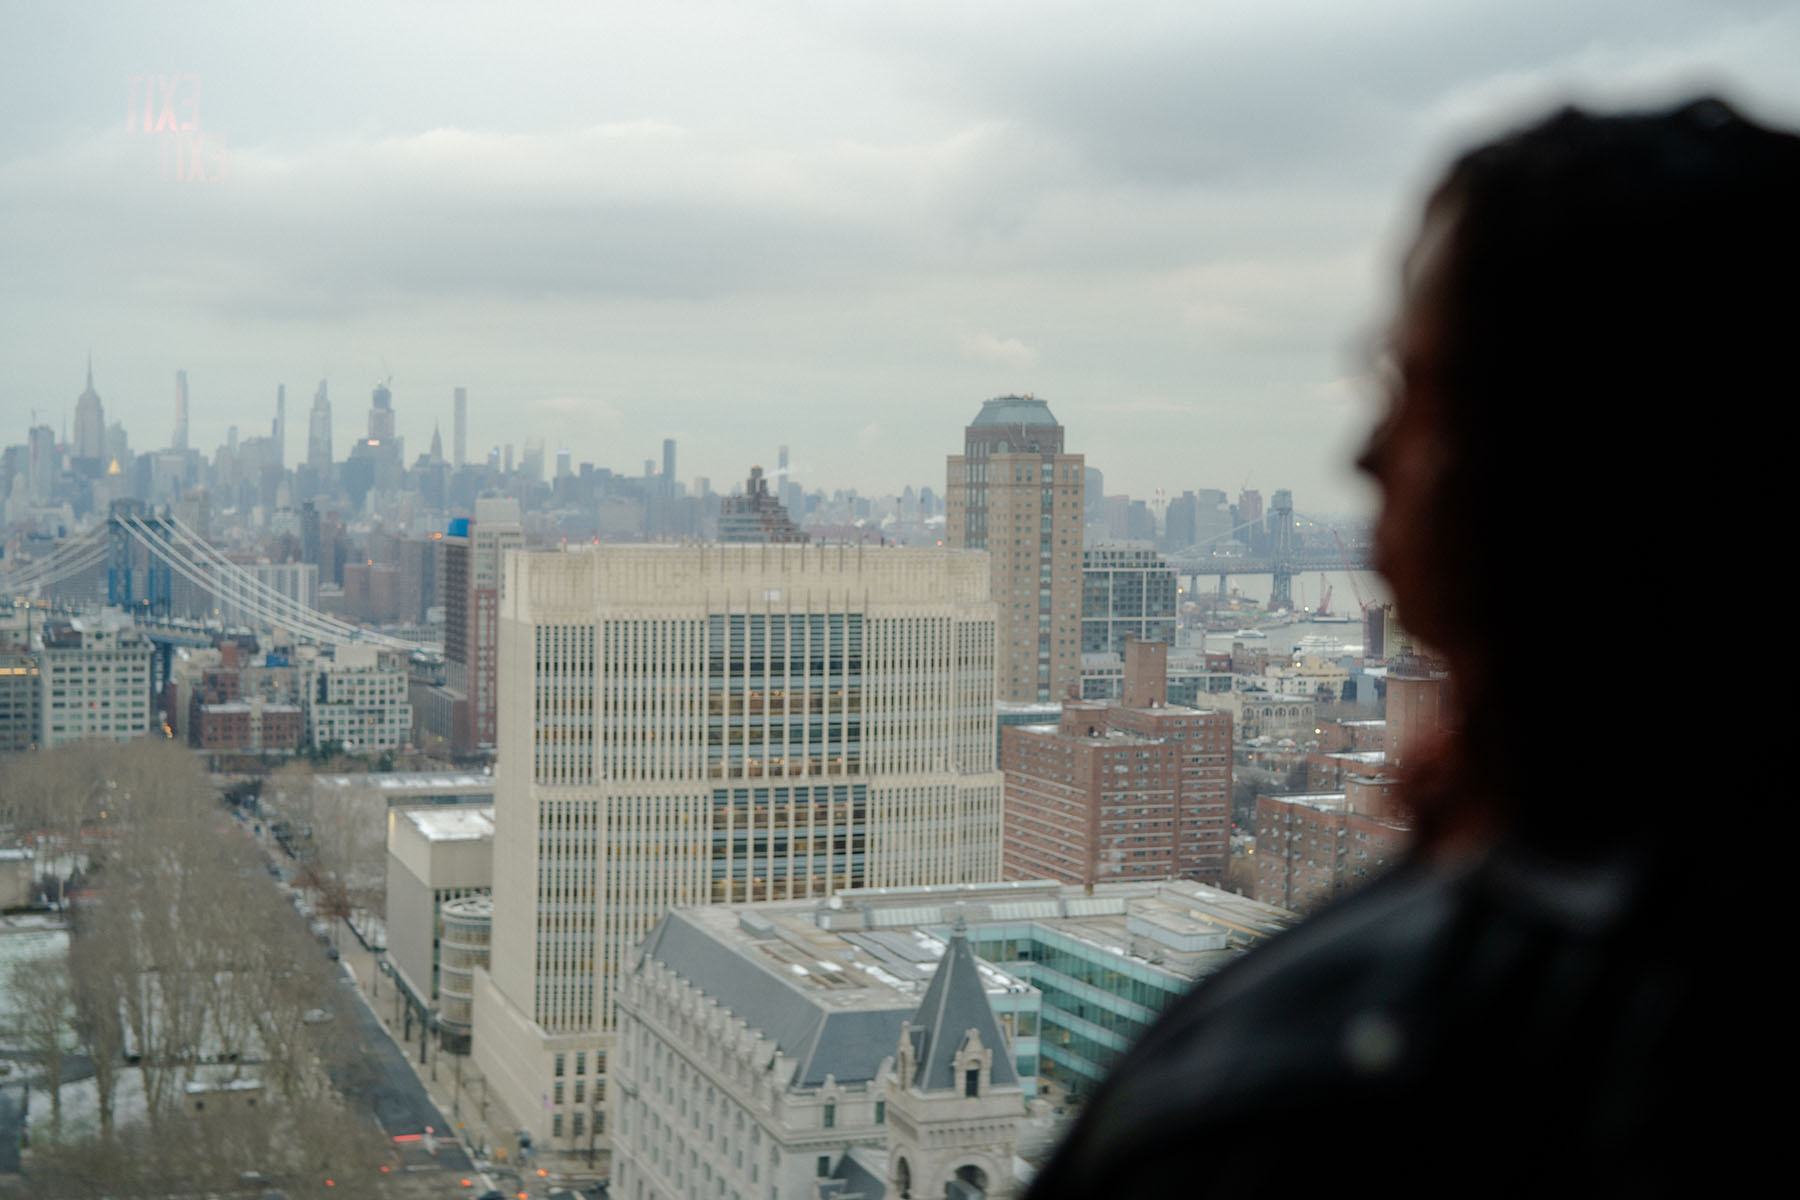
835 227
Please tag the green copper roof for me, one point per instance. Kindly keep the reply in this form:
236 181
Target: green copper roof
1014 410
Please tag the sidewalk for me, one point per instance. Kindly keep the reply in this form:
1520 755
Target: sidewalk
450 1079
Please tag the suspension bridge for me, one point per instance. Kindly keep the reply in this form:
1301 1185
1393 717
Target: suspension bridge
1284 559
144 551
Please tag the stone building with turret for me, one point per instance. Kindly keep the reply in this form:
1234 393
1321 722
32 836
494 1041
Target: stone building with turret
891 1042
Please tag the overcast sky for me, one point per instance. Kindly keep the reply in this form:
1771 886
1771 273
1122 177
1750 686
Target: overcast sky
834 225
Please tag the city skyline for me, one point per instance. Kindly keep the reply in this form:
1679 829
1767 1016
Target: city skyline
321 429
833 228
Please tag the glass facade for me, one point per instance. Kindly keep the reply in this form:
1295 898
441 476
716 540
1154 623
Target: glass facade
1095 1003
1126 592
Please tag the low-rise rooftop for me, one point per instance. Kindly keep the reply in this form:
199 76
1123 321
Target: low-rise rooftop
410 781
458 824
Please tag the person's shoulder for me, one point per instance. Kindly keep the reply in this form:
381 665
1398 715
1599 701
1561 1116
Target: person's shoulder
1284 1034
1464 1004
1302 1008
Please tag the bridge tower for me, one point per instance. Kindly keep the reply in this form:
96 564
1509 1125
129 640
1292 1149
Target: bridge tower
1281 549
127 586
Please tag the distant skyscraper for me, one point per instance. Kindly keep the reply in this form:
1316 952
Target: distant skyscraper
756 516
1249 518
1014 493
460 435
43 462
280 431
90 420
668 470
318 432
179 441
381 414
474 554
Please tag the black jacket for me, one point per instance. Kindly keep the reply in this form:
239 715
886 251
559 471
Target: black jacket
1510 1026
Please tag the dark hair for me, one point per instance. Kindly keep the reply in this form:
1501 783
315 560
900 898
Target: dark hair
1616 370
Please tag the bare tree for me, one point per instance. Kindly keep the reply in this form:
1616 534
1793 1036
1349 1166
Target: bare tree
54 798
189 951
39 991
98 976
340 836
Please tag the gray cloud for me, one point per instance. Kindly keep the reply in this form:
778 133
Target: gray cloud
783 224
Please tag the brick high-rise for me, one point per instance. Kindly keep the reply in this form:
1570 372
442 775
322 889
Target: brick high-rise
1136 790
472 555
1014 493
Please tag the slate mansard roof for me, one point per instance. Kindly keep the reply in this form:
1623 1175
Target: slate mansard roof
955 1003
847 1041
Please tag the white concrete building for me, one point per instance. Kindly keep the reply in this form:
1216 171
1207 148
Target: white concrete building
359 700
688 724
94 680
762 1056
436 855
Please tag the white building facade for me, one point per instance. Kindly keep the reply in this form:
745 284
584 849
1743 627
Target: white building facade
94 681
694 724
746 1069
359 700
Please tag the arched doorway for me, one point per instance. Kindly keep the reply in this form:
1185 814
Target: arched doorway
903 1179
973 1175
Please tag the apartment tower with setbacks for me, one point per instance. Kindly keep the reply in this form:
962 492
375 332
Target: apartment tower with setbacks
1014 493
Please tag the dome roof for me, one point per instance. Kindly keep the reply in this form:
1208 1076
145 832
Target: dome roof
1014 410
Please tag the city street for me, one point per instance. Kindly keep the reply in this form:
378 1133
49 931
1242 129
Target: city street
407 1095
379 1079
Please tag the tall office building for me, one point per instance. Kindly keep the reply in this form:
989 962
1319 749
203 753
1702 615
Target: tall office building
43 462
460 437
318 431
756 516
179 440
381 414
90 420
279 433
1014 493
689 724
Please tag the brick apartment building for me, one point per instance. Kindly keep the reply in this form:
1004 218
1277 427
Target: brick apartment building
1319 846
1134 790
1315 847
1328 772
1351 737
223 715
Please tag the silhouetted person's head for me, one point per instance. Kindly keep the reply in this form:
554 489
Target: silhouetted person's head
1592 367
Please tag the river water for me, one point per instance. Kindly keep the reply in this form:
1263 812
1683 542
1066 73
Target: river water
1282 639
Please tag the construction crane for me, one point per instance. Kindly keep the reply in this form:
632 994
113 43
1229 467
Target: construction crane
1324 609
